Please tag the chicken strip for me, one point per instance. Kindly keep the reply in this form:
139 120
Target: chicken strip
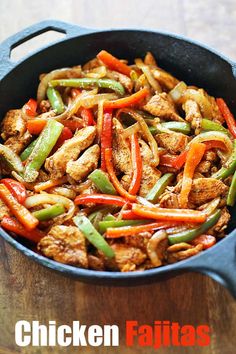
206 189
123 79
126 259
173 142
221 225
13 124
70 150
120 152
87 162
193 115
65 244
162 106
18 144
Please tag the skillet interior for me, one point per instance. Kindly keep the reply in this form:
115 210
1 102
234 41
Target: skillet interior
188 61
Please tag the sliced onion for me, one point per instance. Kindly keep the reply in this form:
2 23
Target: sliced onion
199 97
133 129
64 73
211 206
147 72
146 133
177 92
214 135
46 198
91 101
145 202
97 73
65 192
99 120
75 105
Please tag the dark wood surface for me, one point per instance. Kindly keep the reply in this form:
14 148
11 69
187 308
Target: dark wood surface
31 292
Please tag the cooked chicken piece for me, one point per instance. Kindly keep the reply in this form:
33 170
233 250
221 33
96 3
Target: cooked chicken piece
150 175
65 244
221 225
162 106
126 258
173 142
70 150
85 164
206 189
95 263
139 241
91 64
193 115
13 124
4 211
121 152
123 79
169 200
184 251
18 143
207 163
44 106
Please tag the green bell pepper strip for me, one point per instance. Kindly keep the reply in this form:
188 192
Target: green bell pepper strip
94 237
109 217
26 153
225 172
159 187
86 82
189 235
180 127
55 100
49 213
102 182
11 159
209 125
104 225
45 143
231 198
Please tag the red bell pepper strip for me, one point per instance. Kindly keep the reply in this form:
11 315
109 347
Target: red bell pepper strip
113 63
168 160
129 215
20 212
126 101
11 224
228 116
100 199
114 179
194 156
16 188
87 116
180 160
117 232
177 215
137 165
65 135
36 125
214 144
106 136
31 107
206 241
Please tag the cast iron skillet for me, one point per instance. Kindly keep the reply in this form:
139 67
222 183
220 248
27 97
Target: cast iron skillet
187 60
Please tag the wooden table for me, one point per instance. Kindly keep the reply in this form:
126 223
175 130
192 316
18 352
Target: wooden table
31 292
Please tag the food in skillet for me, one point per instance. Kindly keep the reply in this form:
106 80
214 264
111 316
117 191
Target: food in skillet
118 167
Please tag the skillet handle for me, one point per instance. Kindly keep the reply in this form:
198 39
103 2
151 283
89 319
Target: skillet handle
219 263
12 42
